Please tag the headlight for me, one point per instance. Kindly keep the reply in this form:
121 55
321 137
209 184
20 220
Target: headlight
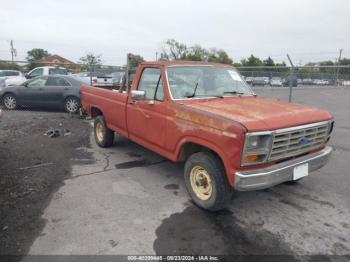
257 148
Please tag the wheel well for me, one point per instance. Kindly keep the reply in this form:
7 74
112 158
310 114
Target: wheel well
70 96
95 112
7 93
190 148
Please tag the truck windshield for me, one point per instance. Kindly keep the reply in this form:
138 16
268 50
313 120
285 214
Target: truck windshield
205 81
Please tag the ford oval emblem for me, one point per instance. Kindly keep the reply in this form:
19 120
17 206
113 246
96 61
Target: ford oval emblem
304 141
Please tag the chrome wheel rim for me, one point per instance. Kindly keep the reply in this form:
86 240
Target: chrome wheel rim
201 183
99 132
72 105
10 102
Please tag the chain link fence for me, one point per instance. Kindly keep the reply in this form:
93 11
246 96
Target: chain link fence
256 76
72 68
296 76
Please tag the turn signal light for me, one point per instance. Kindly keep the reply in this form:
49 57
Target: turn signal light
251 158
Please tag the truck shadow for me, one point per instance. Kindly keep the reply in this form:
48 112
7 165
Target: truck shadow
198 232
259 222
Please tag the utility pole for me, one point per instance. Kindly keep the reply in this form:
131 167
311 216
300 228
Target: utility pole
340 52
13 51
290 80
127 71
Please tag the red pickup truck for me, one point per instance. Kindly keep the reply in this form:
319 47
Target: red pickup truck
205 114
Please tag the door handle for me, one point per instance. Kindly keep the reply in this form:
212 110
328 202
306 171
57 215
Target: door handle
134 102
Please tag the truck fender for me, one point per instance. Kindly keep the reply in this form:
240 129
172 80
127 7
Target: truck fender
95 111
205 144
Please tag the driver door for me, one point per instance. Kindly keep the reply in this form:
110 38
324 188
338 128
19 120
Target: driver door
33 92
146 118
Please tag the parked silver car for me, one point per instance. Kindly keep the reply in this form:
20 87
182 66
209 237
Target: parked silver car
276 81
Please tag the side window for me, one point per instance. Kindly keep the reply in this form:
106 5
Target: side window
11 73
151 82
56 81
63 82
37 72
40 81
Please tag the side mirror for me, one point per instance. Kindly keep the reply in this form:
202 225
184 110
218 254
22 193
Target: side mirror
27 76
138 94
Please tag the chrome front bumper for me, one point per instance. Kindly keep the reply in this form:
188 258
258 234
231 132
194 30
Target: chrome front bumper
273 175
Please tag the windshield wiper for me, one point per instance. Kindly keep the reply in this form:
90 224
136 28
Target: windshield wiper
208 96
194 91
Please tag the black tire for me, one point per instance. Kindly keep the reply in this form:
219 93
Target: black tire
221 192
72 105
9 102
105 136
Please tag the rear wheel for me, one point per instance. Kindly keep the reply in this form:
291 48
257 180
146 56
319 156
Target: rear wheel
72 105
9 101
103 135
206 181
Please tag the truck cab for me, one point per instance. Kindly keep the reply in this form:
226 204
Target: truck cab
46 70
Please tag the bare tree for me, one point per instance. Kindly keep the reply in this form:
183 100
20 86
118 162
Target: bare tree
91 61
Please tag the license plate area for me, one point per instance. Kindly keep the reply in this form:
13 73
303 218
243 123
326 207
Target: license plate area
300 171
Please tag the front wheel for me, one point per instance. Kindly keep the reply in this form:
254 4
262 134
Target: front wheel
9 101
206 181
72 105
103 135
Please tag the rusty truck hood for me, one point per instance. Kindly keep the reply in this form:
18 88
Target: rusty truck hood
258 114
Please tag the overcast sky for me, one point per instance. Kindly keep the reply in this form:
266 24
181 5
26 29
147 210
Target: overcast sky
309 30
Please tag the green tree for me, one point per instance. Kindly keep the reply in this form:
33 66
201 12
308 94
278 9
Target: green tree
135 60
330 70
90 61
268 62
196 53
344 72
219 56
344 61
9 66
251 61
281 64
35 55
173 50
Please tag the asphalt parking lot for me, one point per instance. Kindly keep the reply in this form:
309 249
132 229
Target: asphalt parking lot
129 200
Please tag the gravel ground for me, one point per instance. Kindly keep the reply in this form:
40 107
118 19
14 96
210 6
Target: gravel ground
32 167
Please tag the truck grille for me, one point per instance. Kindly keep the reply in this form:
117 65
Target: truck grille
293 142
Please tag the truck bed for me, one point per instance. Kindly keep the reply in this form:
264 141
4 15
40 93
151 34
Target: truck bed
111 102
